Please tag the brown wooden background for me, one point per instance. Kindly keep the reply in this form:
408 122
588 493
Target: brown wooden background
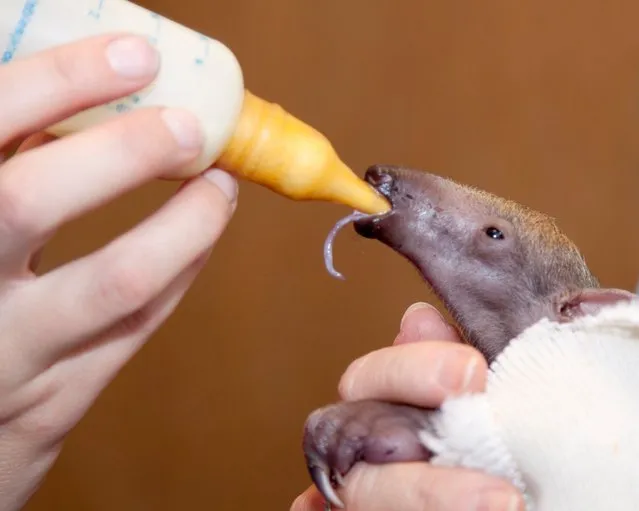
536 100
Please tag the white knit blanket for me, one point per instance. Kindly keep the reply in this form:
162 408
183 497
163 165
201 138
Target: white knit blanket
560 415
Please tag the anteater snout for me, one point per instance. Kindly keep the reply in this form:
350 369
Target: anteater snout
379 175
397 182
381 178
384 179
415 196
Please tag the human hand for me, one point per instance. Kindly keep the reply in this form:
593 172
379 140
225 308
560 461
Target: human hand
419 371
65 334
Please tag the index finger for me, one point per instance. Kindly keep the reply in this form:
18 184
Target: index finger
44 88
420 374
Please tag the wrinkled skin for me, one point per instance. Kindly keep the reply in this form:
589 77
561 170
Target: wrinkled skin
497 266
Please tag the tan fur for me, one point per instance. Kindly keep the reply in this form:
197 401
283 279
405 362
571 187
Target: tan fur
542 236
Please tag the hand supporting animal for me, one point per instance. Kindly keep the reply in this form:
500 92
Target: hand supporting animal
499 268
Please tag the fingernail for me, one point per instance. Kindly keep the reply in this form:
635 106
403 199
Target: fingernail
184 127
454 370
133 57
471 368
224 181
496 501
414 307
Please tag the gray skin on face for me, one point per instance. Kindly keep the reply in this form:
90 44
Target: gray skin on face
498 267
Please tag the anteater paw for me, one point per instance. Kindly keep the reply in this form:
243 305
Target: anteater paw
338 436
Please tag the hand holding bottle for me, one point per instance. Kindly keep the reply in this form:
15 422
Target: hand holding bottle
65 334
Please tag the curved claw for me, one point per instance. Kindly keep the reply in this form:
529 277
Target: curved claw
339 436
322 479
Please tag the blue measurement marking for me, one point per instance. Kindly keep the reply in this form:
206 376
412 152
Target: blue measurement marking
200 60
128 103
153 39
97 12
15 38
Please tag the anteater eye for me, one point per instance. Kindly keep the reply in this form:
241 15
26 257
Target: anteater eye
494 233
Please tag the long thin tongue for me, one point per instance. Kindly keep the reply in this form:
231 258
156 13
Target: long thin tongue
330 239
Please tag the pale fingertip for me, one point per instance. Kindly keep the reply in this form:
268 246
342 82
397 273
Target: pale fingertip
225 182
417 306
133 57
423 322
184 127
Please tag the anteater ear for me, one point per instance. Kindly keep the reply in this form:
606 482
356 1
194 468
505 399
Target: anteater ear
587 302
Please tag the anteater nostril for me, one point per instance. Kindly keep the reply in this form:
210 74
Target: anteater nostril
366 229
380 178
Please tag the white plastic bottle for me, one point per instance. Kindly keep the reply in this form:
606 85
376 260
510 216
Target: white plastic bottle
244 134
197 72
